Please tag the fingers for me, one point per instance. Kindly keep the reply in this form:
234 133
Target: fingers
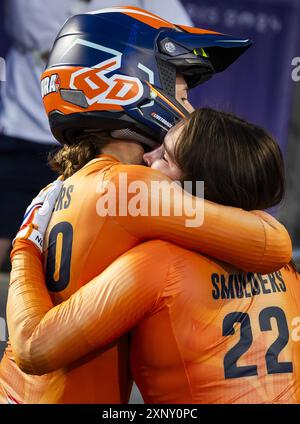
38 214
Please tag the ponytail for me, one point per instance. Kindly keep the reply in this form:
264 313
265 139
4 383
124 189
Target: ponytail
70 158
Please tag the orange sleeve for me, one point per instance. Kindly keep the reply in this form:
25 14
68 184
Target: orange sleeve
45 338
251 241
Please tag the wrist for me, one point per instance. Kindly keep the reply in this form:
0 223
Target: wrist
22 245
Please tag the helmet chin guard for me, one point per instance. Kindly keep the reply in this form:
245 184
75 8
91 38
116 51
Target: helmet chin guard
123 81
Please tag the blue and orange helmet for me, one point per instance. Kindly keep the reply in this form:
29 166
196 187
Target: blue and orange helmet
115 69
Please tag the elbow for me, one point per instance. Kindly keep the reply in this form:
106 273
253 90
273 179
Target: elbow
28 368
277 248
30 353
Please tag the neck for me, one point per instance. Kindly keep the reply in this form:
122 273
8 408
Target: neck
126 151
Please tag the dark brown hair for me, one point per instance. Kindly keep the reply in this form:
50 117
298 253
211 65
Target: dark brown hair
240 163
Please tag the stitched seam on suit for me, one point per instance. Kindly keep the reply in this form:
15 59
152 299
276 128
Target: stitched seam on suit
265 243
175 338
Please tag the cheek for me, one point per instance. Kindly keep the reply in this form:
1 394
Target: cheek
162 166
176 173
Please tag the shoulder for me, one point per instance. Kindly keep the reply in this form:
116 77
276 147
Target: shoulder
173 256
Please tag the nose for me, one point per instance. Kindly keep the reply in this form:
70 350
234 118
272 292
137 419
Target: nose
151 157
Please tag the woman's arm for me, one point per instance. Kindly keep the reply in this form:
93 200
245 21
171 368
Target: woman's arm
256 239
252 241
45 338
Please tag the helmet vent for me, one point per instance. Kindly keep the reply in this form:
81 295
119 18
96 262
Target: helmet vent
168 77
127 134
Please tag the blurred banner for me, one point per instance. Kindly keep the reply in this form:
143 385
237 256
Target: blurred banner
258 86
